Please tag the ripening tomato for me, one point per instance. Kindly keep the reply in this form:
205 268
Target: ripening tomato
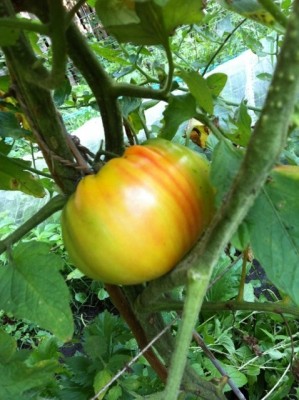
140 214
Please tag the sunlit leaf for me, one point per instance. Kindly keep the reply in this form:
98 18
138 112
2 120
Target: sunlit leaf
216 82
100 380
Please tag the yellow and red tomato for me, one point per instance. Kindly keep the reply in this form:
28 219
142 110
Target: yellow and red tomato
140 214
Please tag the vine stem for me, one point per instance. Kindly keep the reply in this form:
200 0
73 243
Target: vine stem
271 129
168 83
267 142
24 24
278 307
196 289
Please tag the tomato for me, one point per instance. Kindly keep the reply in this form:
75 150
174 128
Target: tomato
140 214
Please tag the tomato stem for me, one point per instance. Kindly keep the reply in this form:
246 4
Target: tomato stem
196 289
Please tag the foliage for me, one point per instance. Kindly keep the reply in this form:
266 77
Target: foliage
65 337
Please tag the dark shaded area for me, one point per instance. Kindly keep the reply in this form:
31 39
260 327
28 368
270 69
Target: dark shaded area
266 288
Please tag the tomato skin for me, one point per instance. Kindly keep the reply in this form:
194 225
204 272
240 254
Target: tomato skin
140 214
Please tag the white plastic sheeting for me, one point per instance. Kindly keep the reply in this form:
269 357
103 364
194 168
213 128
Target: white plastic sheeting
243 78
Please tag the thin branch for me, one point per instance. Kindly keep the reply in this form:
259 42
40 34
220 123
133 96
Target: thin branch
149 79
101 85
228 306
210 124
216 363
232 305
221 46
122 304
271 128
24 24
127 89
234 104
35 71
38 106
57 33
168 83
132 361
54 205
220 276
21 164
277 384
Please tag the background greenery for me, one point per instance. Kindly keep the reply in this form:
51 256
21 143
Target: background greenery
64 336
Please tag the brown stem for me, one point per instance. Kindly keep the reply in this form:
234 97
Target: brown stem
39 108
121 303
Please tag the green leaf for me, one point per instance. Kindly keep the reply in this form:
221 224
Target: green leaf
139 23
5 147
241 238
147 22
32 287
109 54
8 347
8 36
274 229
115 393
4 82
81 367
271 224
103 337
243 122
13 177
264 76
10 126
179 109
128 105
91 3
225 165
254 10
199 88
62 93
238 377
115 12
182 12
216 83
227 286
16 378
101 379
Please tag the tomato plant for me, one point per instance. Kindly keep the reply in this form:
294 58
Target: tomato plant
141 214
138 216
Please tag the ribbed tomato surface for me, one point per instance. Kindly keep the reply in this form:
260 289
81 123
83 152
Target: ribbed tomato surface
140 214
